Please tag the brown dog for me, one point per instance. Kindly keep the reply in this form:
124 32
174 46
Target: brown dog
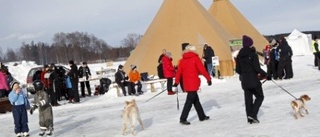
130 115
299 104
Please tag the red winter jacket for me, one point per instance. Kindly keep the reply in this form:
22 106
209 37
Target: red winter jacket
190 67
167 67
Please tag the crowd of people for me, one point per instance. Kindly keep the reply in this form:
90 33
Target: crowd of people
278 59
52 83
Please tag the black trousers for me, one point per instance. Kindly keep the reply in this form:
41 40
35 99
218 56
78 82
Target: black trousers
83 85
75 90
315 59
192 98
169 84
274 68
133 90
253 106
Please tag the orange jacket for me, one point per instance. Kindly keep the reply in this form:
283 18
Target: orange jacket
134 76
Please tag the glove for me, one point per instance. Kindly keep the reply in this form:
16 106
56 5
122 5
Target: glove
209 83
174 87
31 110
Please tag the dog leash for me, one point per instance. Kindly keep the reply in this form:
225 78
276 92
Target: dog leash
284 90
156 95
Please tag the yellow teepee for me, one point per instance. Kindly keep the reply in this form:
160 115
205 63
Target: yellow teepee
235 23
177 22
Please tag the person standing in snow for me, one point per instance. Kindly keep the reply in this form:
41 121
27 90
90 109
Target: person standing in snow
4 88
168 71
274 59
20 104
285 61
248 67
42 102
316 51
267 60
208 53
189 68
159 67
74 76
85 74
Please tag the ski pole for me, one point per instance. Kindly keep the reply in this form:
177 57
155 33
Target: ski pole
263 81
177 101
284 89
156 95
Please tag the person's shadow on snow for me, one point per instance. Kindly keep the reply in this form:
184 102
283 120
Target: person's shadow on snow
207 106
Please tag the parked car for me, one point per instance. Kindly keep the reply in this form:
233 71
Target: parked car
32 71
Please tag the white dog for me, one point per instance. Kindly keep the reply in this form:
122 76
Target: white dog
299 104
130 115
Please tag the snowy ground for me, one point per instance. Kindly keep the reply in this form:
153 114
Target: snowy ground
99 116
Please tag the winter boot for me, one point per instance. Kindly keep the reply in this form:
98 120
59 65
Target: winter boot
205 118
19 135
25 134
42 133
184 122
253 120
171 93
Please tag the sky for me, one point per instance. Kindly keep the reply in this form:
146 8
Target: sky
223 102
113 20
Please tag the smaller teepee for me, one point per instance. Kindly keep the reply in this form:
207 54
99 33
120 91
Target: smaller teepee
235 23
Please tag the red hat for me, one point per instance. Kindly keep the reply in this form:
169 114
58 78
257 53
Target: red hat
267 47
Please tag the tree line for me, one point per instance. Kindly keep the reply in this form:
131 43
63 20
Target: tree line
77 46
80 46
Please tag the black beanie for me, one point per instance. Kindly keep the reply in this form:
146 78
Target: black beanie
71 62
120 67
246 41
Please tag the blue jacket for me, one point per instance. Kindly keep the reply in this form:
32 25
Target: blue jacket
17 99
68 82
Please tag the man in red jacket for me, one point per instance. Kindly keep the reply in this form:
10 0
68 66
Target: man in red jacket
190 67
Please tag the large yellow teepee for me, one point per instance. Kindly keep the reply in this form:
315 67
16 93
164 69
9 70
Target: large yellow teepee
235 23
177 22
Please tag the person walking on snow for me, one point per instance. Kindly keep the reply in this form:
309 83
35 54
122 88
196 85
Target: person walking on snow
248 67
189 68
42 102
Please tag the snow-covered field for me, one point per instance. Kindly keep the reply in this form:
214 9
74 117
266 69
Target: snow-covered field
100 116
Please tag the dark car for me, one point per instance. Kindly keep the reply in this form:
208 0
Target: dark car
30 75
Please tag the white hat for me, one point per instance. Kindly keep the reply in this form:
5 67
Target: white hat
133 66
191 47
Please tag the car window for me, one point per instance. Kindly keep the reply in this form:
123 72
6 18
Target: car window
32 71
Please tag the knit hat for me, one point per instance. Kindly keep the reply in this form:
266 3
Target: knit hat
267 47
12 83
246 41
133 66
169 54
71 62
120 67
191 47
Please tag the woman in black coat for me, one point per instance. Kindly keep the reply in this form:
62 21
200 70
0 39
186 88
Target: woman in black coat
248 67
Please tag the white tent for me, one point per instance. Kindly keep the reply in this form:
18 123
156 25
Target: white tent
300 43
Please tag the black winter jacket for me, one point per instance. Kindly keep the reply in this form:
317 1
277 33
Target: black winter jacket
119 76
208 54
84 72
248 67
